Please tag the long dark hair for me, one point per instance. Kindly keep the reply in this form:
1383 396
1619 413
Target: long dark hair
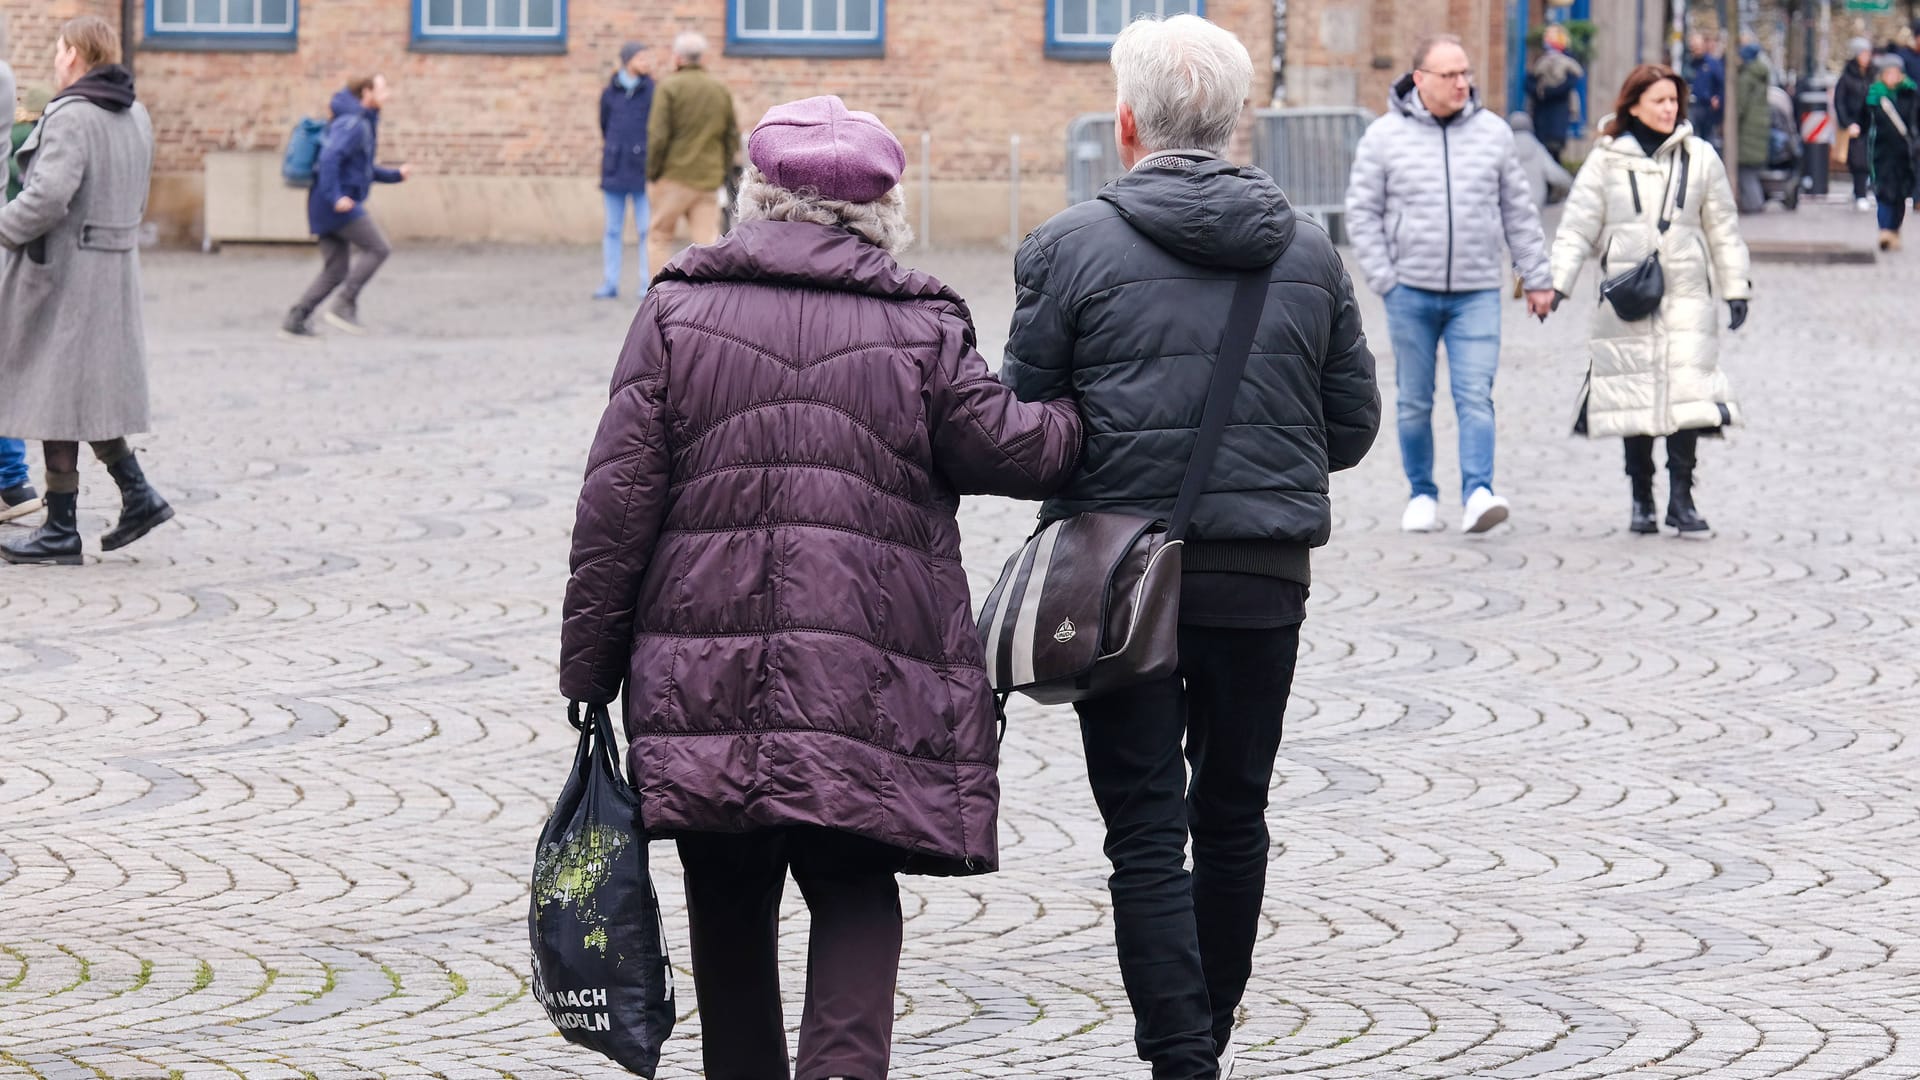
1639 81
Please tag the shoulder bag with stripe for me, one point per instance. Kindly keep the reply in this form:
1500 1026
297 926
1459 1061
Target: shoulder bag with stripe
1091 603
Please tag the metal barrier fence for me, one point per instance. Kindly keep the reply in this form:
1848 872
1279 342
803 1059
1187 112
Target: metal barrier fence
1308 152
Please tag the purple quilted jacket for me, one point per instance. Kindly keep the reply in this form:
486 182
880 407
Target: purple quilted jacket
765 550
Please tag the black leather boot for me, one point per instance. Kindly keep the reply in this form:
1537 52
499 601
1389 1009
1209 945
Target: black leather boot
57 541
1645 518
1680 511
141 507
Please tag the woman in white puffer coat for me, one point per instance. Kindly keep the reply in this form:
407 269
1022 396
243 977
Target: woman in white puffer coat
1657 375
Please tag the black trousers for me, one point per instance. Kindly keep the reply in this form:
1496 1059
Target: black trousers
734 882
1682 449
340 270
1186 940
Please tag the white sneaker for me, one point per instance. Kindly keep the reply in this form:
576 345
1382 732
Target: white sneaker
1863 204
1422 516
1484 511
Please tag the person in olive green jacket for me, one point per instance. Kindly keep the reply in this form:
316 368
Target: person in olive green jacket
24 118
1754 144
692 138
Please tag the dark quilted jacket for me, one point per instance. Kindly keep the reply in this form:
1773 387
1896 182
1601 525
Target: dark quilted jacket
765 550
1122 304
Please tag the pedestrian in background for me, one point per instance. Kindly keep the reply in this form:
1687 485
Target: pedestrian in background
33 102
1437 189
1659 375
1552 80
1754 141
1547 179
17 497
73 361
692 138
1850 113
352 245
1893 131
1120 306
625 106
1706 85
784 601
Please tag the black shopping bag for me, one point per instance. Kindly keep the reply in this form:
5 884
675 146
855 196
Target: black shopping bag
599 951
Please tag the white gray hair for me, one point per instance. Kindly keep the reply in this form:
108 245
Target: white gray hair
882 222
1185 80
689 46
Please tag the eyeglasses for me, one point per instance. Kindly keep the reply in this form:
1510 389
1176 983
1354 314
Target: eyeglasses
1464 75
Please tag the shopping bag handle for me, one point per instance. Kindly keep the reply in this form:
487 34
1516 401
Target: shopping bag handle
596 730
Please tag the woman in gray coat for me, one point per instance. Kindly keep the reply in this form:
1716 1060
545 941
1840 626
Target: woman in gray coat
72 347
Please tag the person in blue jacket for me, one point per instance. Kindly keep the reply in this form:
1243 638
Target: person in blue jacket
337 211
625 106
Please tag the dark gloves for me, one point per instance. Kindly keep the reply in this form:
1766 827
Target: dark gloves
1739 310
1557 297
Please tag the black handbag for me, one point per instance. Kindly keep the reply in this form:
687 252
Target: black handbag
599 951
1637 293
1091 603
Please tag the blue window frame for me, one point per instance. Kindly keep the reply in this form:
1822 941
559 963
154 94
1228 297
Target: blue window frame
236 25
490 26
807 27
1085 29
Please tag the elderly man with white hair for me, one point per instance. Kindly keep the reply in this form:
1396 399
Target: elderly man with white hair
1121 306
692 138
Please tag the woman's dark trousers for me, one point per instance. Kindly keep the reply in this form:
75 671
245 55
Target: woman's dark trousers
1186 940
1681 449
734 883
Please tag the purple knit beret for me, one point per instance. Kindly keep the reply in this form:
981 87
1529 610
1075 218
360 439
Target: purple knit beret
817 143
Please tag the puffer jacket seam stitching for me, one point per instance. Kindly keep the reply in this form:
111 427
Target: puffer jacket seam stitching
857 421
607 612
954 763
779 631
810 525
598 467
744 465
1007 448
795 365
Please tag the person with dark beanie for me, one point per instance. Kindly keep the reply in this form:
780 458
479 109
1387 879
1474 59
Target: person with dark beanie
72 345
1651 187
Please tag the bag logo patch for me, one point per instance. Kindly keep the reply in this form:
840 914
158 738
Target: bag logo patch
1066 632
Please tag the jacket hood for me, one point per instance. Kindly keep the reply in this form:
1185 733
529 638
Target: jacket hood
1206 211
109 86
1406 101
346 103
810 256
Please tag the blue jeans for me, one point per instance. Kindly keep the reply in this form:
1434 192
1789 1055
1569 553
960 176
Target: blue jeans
1892 214
13 463
613 245
1469 323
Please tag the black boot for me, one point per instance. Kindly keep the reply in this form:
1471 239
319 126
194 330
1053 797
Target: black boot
1680 511
1645 517
57 541
141 507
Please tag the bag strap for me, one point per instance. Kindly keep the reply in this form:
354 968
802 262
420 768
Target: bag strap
1679 201
1249 302
1893 114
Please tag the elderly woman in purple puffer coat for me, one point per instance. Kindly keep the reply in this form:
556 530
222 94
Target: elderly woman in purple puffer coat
766 557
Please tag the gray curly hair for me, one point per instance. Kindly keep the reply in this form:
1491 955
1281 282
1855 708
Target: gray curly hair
882 222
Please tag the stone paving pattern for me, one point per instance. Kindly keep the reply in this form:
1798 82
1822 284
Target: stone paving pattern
1558 802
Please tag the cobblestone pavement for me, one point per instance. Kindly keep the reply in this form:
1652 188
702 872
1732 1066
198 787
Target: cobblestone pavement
1557 802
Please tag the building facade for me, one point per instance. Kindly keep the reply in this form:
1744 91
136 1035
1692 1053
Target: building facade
496 100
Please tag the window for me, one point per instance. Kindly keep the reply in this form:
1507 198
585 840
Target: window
490 26
245 25
806 27
1085 29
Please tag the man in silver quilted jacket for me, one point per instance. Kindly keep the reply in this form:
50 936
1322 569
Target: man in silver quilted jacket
1437 190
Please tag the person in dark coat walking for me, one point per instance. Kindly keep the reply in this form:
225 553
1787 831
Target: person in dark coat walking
1120 306
1893 132
343 178
1850 112
1707 83
1551 83
625 106
73 354
766 558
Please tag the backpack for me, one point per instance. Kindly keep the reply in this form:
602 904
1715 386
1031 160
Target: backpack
303 151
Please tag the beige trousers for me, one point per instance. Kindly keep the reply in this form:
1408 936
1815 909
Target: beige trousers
672 203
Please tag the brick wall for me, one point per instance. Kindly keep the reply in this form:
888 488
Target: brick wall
970 73
1349 52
